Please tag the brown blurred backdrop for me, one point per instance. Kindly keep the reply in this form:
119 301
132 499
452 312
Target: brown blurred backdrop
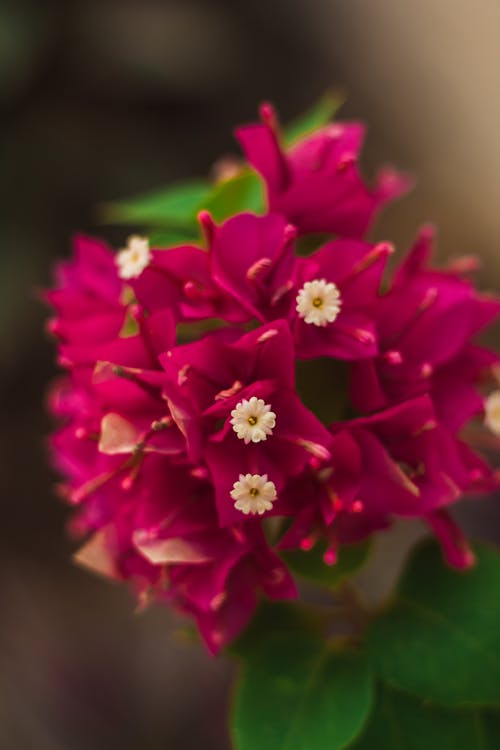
100 99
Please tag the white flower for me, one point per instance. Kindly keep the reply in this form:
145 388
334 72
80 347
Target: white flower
134 258
253 420
318 302
492 412
253 494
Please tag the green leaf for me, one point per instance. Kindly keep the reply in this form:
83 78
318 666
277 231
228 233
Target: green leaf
195 329
491 730
311 566
321 114
298 694
165 238
441 638
130 326
241 193
402 722
173 206
176 208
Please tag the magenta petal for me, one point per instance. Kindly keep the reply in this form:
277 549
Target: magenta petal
352 336
252 260
316 184
93 269
455 547
261 146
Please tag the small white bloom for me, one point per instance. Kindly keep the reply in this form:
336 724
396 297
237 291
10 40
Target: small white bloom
253 494
253 420
134 258
318 302
492 412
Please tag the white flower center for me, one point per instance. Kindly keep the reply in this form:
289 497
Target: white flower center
318 302
253 420
492 412
253 494
134 258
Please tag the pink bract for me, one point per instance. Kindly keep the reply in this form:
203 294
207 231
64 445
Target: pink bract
147 445
316 184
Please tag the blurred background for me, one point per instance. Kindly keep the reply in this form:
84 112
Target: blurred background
101 99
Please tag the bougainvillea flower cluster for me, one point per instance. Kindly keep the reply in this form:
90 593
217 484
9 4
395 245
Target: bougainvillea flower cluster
192 460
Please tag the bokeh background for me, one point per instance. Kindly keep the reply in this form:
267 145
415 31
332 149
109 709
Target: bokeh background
101 99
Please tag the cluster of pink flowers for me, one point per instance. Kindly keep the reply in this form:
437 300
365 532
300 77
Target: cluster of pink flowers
175 455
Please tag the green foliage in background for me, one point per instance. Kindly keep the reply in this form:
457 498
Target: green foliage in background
440 640
299 693
424 675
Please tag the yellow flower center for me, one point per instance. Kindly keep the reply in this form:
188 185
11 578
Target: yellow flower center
253 491
252 420
318 302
